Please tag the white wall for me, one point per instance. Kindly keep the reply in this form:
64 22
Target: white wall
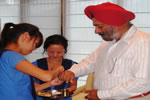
141 9
46 15
9 11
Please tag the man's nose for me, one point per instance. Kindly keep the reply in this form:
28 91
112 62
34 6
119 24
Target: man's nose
55 54
97 30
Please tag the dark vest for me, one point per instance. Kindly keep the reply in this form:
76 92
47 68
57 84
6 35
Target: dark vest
66 63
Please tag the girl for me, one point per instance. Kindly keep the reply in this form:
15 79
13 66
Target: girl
18 40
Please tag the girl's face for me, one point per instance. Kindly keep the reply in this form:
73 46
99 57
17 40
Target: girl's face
27 44
55 51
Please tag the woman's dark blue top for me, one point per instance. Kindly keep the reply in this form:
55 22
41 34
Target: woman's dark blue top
42 63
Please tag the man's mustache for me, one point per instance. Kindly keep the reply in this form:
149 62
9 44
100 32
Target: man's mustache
101 33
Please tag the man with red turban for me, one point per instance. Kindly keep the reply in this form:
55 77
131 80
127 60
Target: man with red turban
121 63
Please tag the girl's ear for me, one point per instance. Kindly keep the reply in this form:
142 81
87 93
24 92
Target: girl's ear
25 36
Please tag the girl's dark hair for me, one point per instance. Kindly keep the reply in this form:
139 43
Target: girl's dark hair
55 39
11 33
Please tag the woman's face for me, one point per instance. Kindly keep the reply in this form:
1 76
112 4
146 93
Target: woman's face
55 51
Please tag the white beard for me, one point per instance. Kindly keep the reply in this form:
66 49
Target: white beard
116 35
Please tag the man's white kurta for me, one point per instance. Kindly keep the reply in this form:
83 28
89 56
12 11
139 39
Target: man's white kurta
122 68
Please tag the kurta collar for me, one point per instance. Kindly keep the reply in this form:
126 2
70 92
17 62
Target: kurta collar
129 34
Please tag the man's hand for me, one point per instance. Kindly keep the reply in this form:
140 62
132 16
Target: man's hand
92 95
72 86
67 76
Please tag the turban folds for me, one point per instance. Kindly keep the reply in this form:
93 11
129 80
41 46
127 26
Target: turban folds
109 13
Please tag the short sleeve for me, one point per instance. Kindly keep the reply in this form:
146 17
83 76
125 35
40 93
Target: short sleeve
12 58
35 63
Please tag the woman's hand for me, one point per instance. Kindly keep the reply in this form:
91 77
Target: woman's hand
39 87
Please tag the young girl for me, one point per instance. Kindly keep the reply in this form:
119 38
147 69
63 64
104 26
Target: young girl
18 40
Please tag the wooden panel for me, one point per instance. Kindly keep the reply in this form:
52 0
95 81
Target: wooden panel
82 47
137 5
44 22
11 11
78 6
75 57
142 19
78 21
9 19
147 30
34 56
82 34
43 10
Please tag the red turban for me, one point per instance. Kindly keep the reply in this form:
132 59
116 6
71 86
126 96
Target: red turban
109 13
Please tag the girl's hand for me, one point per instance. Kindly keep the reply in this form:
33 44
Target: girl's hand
56 81
57 71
